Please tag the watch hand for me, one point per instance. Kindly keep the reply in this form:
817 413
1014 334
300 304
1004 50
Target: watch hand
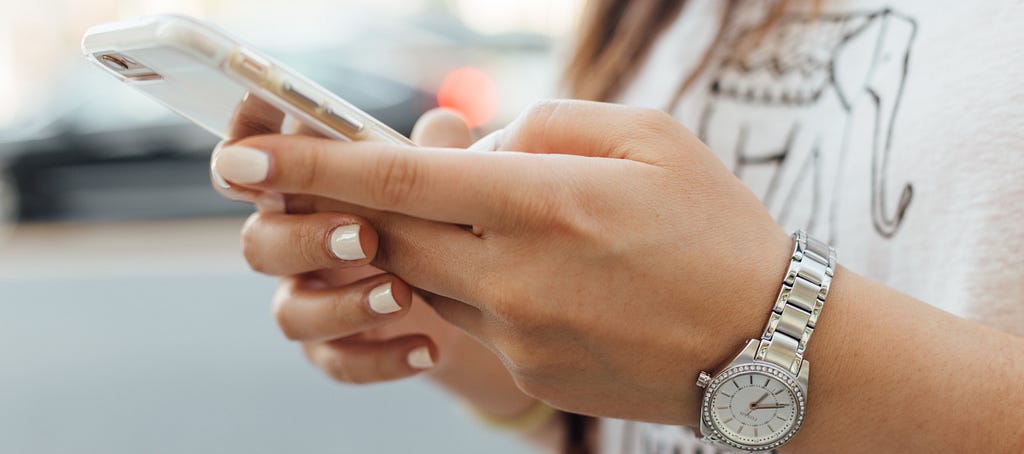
754 404
758 401
761 407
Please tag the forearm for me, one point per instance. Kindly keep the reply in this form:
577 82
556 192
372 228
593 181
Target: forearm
489 389
892 373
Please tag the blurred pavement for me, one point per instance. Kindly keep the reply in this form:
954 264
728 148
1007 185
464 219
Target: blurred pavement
153 337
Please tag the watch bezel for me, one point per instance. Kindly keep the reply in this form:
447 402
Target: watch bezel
758 367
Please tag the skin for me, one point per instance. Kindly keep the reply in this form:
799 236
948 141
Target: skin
322 302
612 257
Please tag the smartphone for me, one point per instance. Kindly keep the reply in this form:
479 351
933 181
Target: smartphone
221 84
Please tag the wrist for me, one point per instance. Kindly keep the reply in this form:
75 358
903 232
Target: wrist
767 382
747 303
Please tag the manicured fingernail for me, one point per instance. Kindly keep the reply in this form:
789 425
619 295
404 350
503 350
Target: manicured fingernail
420 358
488 143
217 179
382 301
270 202
242 164
345 243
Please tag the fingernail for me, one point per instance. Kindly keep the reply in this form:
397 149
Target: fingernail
382 301
488 143
270 202
345 243
228 191
217 179
420 358
242 164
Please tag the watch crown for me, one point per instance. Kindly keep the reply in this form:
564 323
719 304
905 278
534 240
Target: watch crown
703 379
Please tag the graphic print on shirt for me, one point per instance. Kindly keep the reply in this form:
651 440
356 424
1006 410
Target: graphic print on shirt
773 111
786 115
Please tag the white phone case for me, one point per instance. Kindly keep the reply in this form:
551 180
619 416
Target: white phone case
205 75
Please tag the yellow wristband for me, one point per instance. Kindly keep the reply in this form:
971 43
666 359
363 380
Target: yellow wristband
532 419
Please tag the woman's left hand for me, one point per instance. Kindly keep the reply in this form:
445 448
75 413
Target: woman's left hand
611 258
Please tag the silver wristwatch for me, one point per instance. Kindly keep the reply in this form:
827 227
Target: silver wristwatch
758 401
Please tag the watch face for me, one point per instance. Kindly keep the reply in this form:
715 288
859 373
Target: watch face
754 406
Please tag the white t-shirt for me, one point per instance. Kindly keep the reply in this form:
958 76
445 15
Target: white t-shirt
894 130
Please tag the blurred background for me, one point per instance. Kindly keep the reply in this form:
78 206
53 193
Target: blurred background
128 319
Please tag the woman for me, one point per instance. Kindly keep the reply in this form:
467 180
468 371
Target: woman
614 255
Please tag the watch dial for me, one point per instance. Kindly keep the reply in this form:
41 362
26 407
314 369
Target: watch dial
753 408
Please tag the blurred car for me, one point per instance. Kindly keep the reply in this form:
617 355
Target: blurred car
118 155
114 154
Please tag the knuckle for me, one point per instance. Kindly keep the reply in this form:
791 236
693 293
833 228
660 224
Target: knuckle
537 115
337 368
395 178
567 211
541 109
345 318
655 117
251 250
651 123
281 312
309 243
314 167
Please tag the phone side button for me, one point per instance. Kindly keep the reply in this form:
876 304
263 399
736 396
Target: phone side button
297 96
247 65
346 122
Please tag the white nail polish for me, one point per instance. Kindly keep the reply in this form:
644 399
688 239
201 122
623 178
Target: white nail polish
382 301
242 164
217 179
345 243
420 358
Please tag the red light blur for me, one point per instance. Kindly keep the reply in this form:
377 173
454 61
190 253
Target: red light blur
470 92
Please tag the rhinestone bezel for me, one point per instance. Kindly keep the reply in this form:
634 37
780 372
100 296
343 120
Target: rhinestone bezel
758 367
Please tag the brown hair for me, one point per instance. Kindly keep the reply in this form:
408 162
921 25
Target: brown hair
615 37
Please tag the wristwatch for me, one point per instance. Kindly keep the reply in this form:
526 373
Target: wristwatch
758 401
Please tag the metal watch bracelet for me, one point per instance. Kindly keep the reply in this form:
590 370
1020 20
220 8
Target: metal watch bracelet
767 382
799 303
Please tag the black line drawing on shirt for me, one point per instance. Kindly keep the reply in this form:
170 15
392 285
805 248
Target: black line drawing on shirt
759 112
762 103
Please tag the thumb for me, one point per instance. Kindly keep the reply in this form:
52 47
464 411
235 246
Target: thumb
586 128
442 128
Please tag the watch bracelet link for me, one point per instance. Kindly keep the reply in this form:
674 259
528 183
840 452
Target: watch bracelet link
799 303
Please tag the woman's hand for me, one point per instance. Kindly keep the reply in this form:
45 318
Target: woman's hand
355 322
612 256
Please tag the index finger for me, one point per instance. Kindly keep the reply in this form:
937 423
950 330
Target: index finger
448 185
254 116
